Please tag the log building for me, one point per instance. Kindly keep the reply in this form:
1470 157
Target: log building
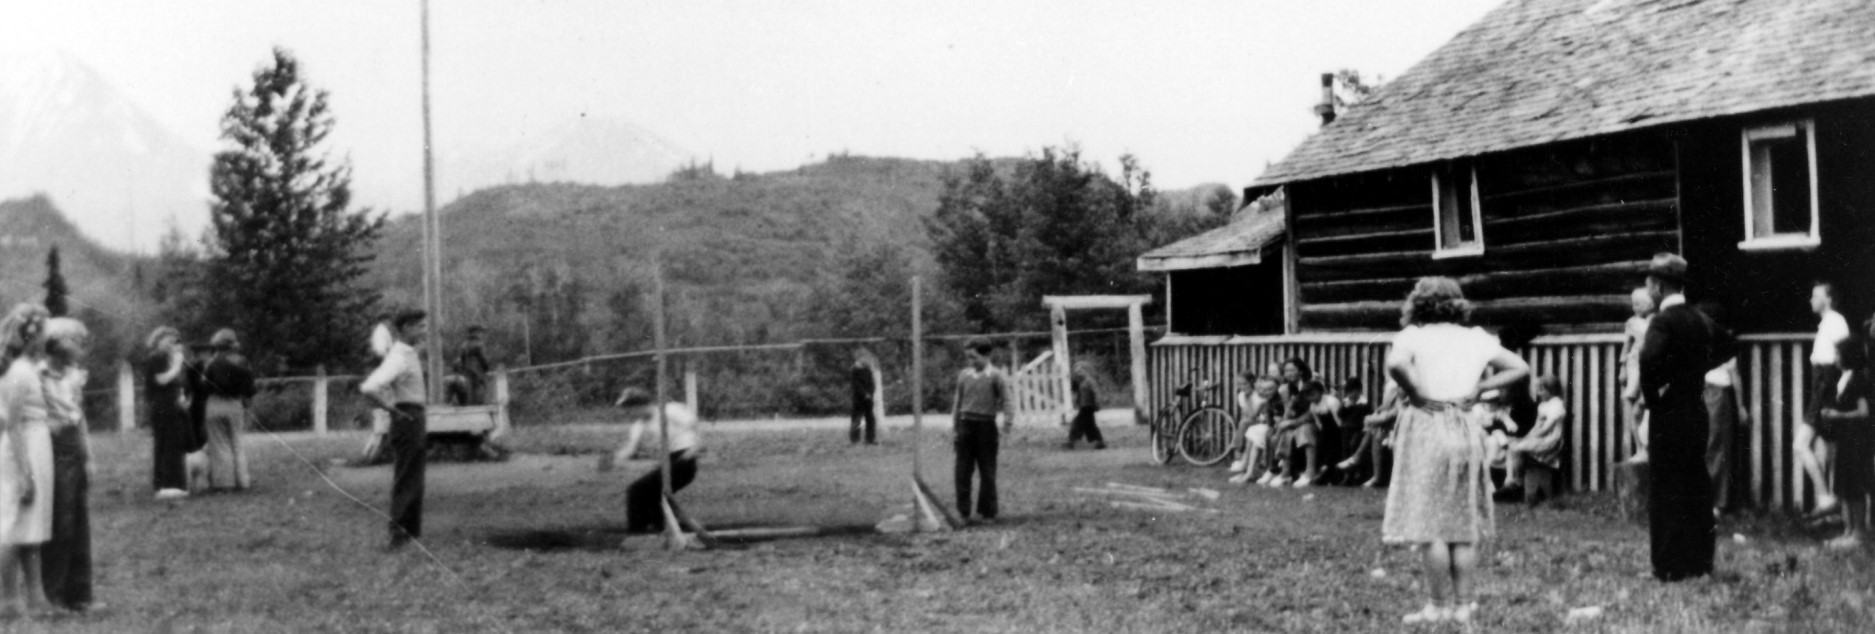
1545 153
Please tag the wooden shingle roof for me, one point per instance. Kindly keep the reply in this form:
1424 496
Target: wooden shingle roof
1533 72
1239 243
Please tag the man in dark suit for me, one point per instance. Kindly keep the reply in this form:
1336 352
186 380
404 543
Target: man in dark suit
1682 343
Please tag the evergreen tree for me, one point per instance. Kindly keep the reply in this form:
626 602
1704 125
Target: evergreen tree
56 293
285 250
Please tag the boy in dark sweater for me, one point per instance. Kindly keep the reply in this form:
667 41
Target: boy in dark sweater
981 393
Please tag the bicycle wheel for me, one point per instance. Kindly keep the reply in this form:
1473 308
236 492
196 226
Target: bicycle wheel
1204 438
1164 435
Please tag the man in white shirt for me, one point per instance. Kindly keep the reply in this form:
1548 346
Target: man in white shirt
397 387
643 511
1811 453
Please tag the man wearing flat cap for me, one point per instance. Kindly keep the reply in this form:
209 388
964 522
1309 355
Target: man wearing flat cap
1682 344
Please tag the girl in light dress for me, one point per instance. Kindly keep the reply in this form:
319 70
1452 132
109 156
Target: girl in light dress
1440 496
25 463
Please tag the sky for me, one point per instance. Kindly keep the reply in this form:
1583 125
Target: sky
1200 91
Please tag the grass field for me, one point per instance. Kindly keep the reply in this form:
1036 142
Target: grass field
295 556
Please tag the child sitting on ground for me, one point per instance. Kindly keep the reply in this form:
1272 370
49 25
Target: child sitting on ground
1351 417
1543 445
1259 407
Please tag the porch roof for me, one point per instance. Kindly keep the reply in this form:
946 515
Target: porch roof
1236 244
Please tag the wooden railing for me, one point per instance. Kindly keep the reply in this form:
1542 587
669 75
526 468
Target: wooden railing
1774 367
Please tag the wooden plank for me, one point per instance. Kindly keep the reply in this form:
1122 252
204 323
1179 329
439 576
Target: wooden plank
1373 235
1764 426
1498 196
1793 415
1777 407
1582 214
1075 302
1607 452
1598 455
1534 310
1345 216
1594 244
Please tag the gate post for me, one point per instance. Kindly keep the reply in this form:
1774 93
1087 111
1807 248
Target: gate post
1136 334
126 398
1058 324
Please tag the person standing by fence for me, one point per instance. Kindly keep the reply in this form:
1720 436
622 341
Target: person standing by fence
1086 407
397 387
1846 417
1812 452
66 566
171 429
861 381
26 462
981 392
1632 335
1682 345
1725 407
1440 496
228 386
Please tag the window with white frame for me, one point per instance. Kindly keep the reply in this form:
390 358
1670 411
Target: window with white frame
1457 221
1780 186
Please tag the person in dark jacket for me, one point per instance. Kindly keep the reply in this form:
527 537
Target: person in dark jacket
860 378
1682 344
227 388
1086 405
170 425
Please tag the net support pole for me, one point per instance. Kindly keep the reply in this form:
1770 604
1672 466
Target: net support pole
917 377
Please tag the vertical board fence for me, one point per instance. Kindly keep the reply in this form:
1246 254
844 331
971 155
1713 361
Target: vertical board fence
1773 366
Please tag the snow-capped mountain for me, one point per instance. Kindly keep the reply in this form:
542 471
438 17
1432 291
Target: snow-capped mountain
67 133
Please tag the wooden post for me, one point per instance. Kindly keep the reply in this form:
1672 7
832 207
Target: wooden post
126 397
917 377
500 383
319 404
1136 335
1058 331
690 386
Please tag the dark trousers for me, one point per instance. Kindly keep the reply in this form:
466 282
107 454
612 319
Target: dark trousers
66 558
408 442
976 440
1679 518
1722 408
643 511
862 409
1083 426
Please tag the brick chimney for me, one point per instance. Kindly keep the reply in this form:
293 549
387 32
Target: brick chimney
1326 109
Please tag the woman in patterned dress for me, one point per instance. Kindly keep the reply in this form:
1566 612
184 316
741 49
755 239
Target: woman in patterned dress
25 463
1441 493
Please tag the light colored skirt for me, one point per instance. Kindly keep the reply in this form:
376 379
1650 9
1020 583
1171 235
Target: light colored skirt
1440 489
26 524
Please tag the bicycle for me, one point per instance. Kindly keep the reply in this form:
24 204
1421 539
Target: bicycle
1200 432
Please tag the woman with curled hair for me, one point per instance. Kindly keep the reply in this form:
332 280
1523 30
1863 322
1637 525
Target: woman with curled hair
1441 492
25 462
170 425
67 556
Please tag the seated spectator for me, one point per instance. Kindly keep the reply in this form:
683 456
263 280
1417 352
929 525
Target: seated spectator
1301 430
1544 444
1350 417
1259 407
1493 414
1373 449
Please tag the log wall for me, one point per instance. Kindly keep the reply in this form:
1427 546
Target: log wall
1567 230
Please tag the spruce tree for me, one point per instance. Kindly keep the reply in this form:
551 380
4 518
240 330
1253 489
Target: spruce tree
56 293
286 251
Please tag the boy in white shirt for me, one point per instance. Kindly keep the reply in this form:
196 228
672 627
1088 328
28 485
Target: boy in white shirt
644 511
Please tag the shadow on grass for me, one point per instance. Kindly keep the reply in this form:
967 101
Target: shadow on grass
610 538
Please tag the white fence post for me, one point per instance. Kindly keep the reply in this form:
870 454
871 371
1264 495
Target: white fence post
126 397
319 405
501 402
690 387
